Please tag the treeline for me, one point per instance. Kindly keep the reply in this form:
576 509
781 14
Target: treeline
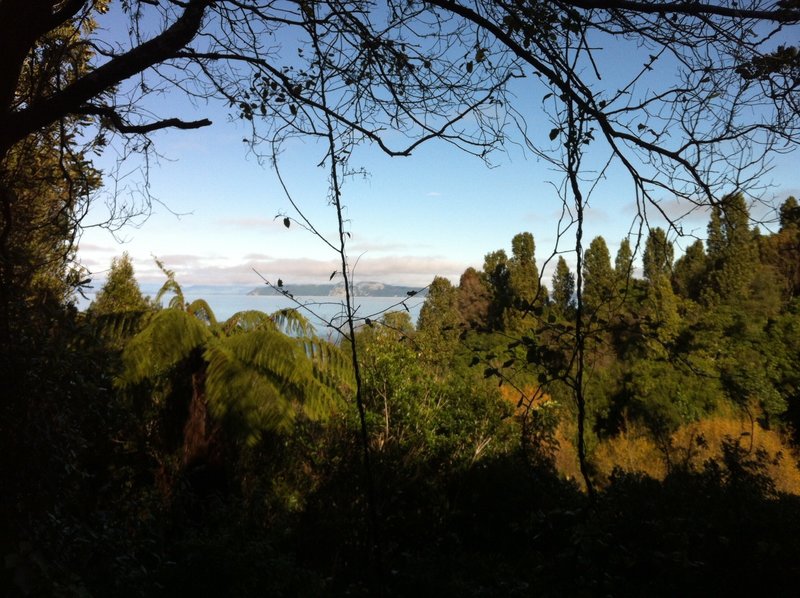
153 450
693 346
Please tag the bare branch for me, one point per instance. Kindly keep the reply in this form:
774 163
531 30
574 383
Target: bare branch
119 124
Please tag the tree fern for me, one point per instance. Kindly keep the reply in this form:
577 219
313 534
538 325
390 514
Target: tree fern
247 321
260 371
170 286
201 310
292 323
117 327
263 379
167 339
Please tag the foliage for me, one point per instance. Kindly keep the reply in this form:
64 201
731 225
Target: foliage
120 293
212 468
248 370
563 286
597 275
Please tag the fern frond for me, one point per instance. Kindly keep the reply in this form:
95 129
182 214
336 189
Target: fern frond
120 325
242 397
332 366
170 286
247 321
272 354
263 379
201 310
168 338
292 323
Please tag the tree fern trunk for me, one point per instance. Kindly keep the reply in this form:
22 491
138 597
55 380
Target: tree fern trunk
196 436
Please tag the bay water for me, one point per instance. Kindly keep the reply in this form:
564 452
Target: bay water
325 313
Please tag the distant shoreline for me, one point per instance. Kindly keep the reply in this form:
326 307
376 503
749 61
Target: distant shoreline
361 289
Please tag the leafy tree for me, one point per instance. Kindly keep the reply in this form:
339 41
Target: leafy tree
46 180
689 272
439 321
658 255
623 263
597 274
732 252
426 413
473 299
496 274
121 292
563 286
523 274
254 371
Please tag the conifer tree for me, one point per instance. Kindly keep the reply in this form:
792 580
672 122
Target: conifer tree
732 251
439 320
523 279
523 272
658 255
623 263
121 292
790 214
563 286
473 299
496 274
689 272
597 274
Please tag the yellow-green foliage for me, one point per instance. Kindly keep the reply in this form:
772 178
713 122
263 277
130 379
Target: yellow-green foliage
565 458
631 451
256 372
692 445
262 377
700 441
167 339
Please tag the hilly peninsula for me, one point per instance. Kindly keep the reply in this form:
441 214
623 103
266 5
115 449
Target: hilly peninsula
361 289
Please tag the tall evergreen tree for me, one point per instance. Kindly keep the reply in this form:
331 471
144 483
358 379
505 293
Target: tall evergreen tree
121 292
732 251
522 269
598 275
496 274
689 272
781 251
473 299
658 255
790 213
623 263
439 320
563 286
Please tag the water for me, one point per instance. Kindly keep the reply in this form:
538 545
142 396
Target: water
321 311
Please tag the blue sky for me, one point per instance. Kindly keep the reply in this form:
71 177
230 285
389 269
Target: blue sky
434 213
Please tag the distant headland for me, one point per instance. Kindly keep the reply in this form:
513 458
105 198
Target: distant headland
360 289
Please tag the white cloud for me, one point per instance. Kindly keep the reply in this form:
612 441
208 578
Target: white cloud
204 270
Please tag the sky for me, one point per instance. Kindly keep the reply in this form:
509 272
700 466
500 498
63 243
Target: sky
436 212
